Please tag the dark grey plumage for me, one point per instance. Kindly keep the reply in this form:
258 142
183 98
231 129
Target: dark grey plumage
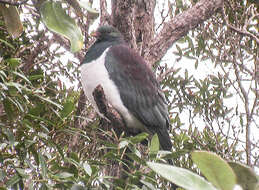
138 88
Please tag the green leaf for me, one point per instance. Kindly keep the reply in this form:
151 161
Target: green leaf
14 62
154 146
215 169
2 174
22 76
13 180
7 43
138 138
8 107
68 107
87 168
190 44
77 187
246 177
49 101
56 19
180 53
181 177
43 165
64 175
87 5
12 20
22 172
201 43
196 64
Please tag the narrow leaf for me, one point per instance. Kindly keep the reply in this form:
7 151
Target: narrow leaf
154 146
2 174
67 109
8 108
43 165
64 175
13 62
181 177
22 172
56 19
49 101
77 187
138 138
22 76
13 180
87 168
179 50
215 169
10 136
7 43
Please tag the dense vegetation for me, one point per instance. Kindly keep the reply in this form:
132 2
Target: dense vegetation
50 137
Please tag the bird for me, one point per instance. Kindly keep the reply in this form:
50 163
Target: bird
128 83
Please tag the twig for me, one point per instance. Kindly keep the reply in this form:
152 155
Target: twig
165 74
76 7
14 3
243 30
248 115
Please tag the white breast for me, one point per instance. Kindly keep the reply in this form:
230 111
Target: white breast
94 74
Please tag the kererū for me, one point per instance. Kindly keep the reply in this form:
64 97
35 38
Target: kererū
128 83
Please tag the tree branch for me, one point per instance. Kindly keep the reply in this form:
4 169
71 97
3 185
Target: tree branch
248 116
110 113
144 23
165 74
178 27
105 17
243 30
122 18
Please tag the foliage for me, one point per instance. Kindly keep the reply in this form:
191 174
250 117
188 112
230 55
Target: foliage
39 112
219 173
56 19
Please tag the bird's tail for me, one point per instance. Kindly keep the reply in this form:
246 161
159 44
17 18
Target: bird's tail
166 144
164 139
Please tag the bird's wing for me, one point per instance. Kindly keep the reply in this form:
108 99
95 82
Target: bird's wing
139 90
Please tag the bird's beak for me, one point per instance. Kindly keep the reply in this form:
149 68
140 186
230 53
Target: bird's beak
95 34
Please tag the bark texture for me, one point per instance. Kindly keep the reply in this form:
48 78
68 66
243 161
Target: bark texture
135 19
179 27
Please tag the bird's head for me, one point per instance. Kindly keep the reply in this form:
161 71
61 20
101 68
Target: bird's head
107 33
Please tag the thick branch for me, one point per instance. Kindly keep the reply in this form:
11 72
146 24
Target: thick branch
105 17
122 18
107 111
144 23
179 26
